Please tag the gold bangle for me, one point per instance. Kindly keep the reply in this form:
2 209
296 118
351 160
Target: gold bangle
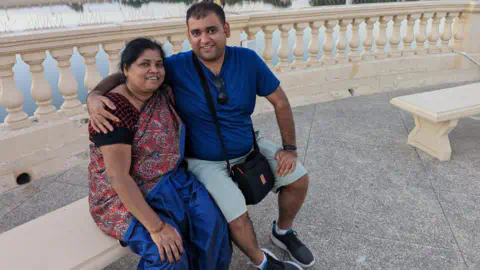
159 229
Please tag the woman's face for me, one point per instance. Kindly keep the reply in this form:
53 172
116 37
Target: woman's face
147 73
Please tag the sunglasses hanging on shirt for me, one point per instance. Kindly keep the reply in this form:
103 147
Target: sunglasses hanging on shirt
222 97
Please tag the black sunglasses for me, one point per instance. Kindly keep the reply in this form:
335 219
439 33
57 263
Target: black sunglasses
222 94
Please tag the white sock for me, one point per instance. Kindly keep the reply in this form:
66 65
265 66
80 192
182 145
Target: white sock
280 231
260 266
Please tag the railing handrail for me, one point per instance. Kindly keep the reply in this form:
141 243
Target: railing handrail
26 3
355 11
41 40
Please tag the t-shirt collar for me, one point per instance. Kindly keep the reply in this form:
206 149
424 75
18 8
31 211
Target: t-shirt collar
228 53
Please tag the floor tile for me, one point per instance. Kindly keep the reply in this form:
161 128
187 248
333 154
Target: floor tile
463 213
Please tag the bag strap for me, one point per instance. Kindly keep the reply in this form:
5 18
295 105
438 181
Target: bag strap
209 98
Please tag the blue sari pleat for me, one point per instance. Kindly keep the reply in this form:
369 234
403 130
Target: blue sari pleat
183 202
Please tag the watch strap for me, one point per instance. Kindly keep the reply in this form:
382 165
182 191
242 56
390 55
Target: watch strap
290 147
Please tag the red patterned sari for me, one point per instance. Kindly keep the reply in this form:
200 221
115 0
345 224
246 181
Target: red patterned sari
155 151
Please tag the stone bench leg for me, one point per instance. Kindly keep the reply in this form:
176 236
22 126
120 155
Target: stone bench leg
432 137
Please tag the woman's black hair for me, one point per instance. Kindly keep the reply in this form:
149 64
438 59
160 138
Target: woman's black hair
135 48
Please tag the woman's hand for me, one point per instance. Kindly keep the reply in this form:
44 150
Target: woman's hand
168 241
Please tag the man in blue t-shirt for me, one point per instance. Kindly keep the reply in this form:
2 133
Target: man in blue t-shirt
235 76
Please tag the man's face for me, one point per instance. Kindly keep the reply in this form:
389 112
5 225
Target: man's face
208 37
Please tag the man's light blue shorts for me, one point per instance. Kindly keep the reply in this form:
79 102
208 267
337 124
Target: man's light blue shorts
229 198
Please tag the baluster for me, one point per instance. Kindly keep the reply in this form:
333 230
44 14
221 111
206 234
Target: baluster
395 38
342 42
435 33
314 45
283 50
459 31
422 34
408 39
382 37
161 39
92 77
299 47
113 51
177 41
40 90
268 50
10 96
368 42
67 84
446 35
355 41
327 58
235 35
252 34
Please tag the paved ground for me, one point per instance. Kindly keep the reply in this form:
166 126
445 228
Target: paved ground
374 202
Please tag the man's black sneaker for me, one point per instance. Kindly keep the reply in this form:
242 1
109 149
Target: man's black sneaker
297 250
274 264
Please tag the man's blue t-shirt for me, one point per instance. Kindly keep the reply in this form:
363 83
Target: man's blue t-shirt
245 75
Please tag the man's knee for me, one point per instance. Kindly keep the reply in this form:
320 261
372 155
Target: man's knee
300 184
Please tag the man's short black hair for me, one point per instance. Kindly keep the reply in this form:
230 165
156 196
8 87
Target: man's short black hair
202 9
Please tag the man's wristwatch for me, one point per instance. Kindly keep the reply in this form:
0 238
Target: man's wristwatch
290 147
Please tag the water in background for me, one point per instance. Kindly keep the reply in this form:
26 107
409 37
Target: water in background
108 11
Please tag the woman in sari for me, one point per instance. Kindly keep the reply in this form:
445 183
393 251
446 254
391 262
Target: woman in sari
140 190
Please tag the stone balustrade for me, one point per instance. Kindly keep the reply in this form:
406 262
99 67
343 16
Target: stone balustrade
32 46
429 29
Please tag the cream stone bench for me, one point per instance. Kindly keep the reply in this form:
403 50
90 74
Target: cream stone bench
66 238
436 113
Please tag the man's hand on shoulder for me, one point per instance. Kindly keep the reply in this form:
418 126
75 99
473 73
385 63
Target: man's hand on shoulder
98 114
96 103
287 161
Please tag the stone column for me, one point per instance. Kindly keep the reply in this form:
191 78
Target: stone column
252 34
92 77
382 38
10 96
177 42
314 45
283 49
446 35
327 58
422 34
298 49
342 43
471 42
355 55
268 49
41 90
459 31
395 39
409 37
368 42
113 51
67 84
235 37
434 35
